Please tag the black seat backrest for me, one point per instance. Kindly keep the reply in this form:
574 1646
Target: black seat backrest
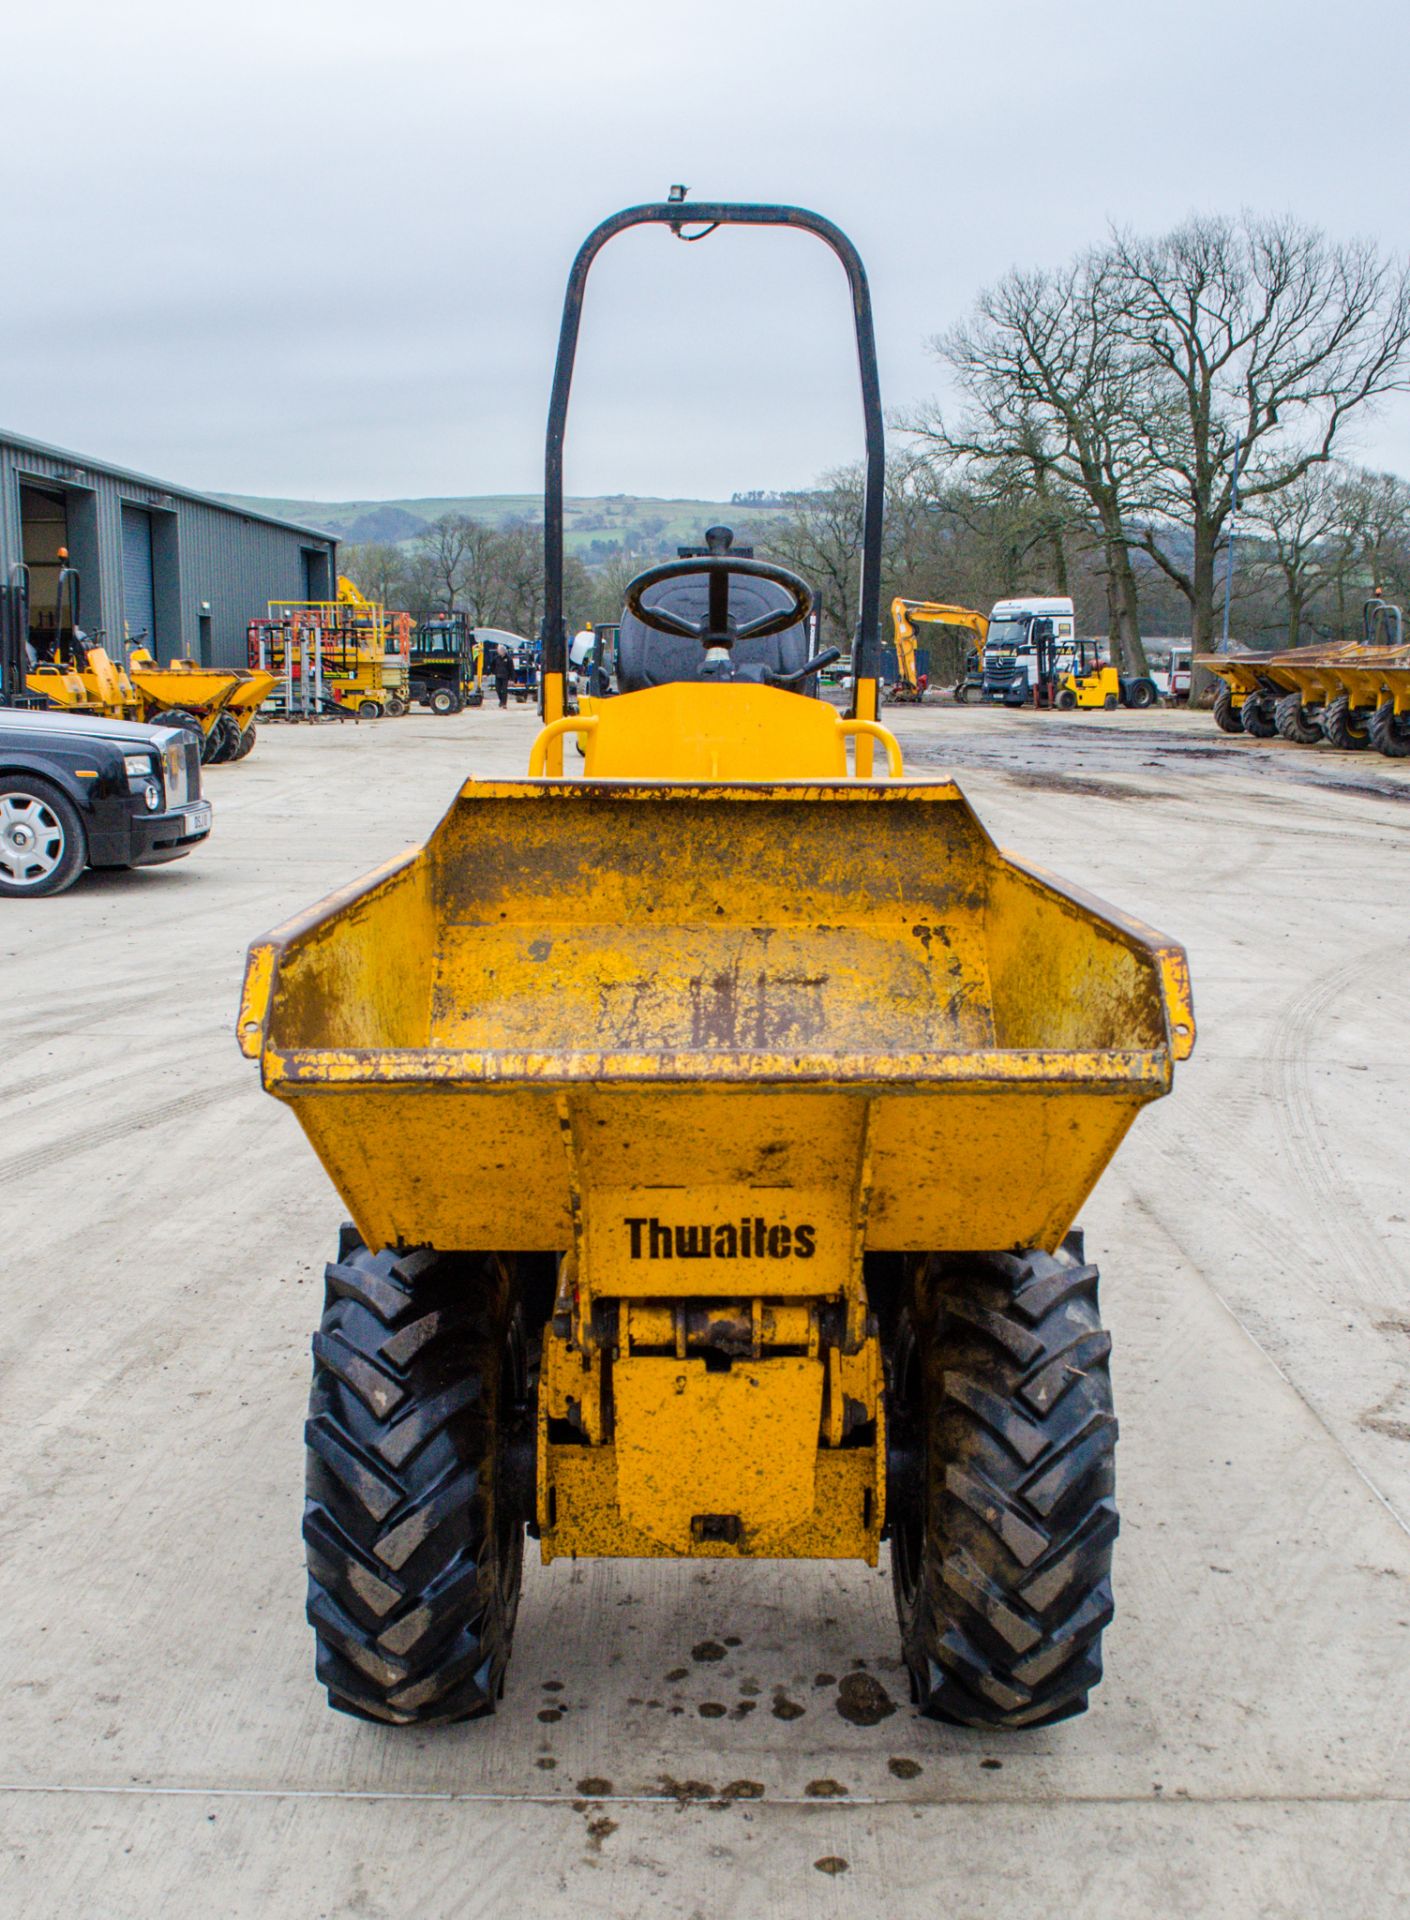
648 659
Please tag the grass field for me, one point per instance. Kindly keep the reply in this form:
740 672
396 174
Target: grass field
625 520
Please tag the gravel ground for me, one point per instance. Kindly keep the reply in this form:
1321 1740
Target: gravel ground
164 1749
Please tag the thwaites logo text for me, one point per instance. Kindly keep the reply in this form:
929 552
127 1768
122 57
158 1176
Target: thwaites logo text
747 1239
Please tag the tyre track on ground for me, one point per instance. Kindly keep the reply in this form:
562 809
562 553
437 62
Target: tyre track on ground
107 1132
1356 1251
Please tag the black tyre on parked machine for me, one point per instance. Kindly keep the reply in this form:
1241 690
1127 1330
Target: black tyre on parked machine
1256 715
1226 714
1344 726
1295 721
1390 731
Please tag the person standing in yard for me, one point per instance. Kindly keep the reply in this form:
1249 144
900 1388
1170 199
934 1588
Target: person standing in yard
501 675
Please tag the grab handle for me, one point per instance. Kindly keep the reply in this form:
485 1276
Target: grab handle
873 730
550 736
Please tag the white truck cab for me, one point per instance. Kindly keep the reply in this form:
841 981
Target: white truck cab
1010 659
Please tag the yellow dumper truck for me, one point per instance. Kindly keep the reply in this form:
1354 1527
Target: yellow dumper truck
753 1027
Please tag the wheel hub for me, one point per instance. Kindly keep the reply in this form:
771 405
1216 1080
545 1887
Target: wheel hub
31 838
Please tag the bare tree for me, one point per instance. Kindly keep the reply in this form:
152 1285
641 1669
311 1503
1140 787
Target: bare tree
377 566
1378 512
446 544
1050 391
483 584
1252 335
1305 526
820 536
518 561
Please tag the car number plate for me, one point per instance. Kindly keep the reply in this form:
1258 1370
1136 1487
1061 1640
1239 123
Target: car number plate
199 817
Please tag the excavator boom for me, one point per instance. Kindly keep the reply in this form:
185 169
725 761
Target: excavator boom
906 614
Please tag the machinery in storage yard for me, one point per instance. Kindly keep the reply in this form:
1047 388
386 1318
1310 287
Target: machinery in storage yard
1093 682
754 1029
64 668
1029 648
905 616
349 655
1352 696
447 664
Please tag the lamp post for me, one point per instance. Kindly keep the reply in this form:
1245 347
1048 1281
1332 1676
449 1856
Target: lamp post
1229 556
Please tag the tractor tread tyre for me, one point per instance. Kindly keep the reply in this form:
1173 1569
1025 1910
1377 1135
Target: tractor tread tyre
1340 728
1011 1584
413 1576
179 717
247 741
1226 714
1290 718
222 742
1388 733
1256 716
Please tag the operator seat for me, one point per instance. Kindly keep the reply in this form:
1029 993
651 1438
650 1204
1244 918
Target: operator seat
647 659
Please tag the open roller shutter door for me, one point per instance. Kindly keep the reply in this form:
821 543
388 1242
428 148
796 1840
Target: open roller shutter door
138 607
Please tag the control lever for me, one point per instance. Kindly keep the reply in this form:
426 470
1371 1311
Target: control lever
815 665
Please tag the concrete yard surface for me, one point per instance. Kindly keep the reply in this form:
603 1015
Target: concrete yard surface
676 1738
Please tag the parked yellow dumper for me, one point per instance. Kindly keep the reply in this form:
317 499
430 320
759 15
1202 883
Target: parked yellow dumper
667 1100
79 676
1352 695
220 702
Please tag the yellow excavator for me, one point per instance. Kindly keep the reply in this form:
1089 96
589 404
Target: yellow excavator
754 1029
907 689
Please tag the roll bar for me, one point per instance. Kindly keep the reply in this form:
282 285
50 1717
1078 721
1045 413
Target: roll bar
1377 613
678 214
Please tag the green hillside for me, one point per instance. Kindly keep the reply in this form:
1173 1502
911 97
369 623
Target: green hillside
593 527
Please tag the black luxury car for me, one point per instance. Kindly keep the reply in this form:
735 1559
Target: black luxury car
80 791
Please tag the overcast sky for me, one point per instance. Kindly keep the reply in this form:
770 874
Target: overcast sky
318 249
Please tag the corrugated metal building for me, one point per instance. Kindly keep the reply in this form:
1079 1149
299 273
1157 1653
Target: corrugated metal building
184 571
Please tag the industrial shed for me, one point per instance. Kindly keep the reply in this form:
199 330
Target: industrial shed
183 571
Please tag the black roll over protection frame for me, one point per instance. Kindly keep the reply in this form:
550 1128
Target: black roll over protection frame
678 214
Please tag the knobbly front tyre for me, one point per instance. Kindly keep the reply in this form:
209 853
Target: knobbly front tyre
1294 722
1389 731
1344 727
416 1492
1001 1507
222 743
1226 714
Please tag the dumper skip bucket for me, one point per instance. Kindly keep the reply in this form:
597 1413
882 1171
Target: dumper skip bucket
758 1001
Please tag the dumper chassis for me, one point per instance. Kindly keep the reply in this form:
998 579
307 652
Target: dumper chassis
762 1024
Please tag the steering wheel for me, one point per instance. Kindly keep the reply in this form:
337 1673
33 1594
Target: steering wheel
717 629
